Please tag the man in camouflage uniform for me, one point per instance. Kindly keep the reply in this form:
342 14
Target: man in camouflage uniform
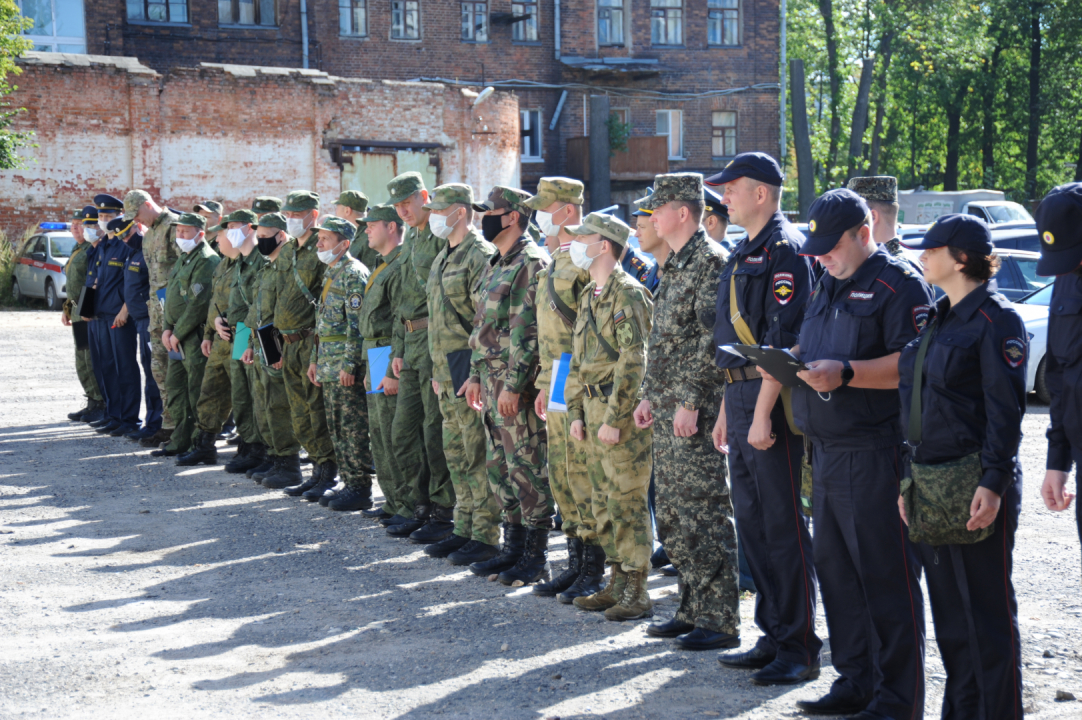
265 204
417 432
159 254
74 280
337 362
211 210
681 397
187 298
453 296
608 363
351 205
504 367
881 194
559 205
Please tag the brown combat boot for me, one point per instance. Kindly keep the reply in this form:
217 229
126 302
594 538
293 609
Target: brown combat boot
635 602
607 598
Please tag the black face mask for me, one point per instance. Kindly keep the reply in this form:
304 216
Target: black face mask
491 226
266 245
135 242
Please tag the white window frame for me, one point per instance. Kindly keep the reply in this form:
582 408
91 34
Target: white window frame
520 31
722 12
669 116
469 9
714 136
403 26
666 7
621 7
350 5
527 124
53 42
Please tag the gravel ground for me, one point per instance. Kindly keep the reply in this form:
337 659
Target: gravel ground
127 587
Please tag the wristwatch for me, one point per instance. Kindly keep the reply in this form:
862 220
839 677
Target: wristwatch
688 406
847 373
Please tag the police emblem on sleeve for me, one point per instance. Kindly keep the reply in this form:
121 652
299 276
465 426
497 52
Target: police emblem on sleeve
783 287
1014 351
354 301
921 313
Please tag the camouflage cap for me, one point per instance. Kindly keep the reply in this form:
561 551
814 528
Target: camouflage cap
192 220
301 201
242 216
505 197
274 220
878 188
608 226
382 213
353 199
336 225
211 206
673 186
450 194
133 201
403 186
266 204
556 189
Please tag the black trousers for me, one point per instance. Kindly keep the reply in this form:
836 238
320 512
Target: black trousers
869 579
771 529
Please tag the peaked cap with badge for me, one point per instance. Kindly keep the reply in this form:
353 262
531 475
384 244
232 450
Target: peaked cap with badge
755 165
830 216
192 220
266 204
382 213
404 186
242 216
353 199
301 201
1059 222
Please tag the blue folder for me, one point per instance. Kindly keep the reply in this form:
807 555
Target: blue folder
240 341
560 370
161 297
379 359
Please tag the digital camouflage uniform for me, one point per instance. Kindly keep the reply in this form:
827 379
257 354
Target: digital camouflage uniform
74 280
884 189
216 394
453 297
417 432
504 344
242 378
694 509
358 247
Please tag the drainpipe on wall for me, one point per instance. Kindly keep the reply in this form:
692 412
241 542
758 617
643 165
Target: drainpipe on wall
304 34
781 85
556 20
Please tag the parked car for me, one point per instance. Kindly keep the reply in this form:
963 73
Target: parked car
1017 238
999 212
39 270
1034 311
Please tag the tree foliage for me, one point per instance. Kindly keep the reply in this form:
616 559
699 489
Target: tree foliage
12 45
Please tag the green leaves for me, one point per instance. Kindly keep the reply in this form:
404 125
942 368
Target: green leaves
12 45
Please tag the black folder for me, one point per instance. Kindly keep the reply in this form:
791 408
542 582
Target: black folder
87 305
270 342
459 362
778 362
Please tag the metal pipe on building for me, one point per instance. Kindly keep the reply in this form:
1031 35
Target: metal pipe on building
782 68
559 109
556 20
304 34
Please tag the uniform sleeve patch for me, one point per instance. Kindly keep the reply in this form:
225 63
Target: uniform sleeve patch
354 301
197 288
783 287
619 317
921 313
1014 351
625 335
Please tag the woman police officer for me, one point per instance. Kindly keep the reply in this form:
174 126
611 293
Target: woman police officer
970 406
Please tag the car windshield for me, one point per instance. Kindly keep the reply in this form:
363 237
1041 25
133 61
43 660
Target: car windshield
61 246
1041 297
1028 266
1012 212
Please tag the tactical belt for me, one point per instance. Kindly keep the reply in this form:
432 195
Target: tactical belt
415 325
296 337
332 338
748 372
598 391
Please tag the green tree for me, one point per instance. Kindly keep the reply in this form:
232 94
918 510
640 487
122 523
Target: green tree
12 45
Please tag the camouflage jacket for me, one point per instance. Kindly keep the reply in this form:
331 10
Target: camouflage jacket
243 286
261 312
553 334
294 309
221 285
621 315
338 320
504 338
359 248
75 278
421 248
381 294
453 297
680 358
160 252
188 293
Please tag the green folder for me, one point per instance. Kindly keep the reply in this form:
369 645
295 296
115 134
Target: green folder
240 340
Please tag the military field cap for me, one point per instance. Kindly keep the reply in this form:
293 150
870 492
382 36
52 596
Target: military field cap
556 189
504 197
830 216
89 215
119 226
301 201
133 201
450 194
336 225
192 220
755 165
266 204
1059 221
109 204
608 226
640 211
671 187
242 216
403 186
211 206
353 199
877 188
274 220
965 232
382 213
714 204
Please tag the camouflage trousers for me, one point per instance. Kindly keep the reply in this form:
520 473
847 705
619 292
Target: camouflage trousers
477 512
183 382
569 480
278 432
519 444
215 395
243 389
84 366
417 436
695 517
306 402
398 496
159 359
347 420
620 478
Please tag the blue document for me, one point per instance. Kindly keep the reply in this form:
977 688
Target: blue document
379 361
161 297
240 340
560 370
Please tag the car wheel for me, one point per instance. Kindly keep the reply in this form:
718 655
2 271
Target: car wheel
16 291
52 300
1040 383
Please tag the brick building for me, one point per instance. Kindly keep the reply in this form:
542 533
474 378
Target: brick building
701 73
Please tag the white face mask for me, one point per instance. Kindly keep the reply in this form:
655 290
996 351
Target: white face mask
186 246
328 256
235 236
91 234
295 226
439 227
544 221
579 256
102 226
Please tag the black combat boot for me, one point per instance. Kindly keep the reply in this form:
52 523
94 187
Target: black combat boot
568 577
514 542
328 471
472 552
204 452
590 575
314 493
104 420
286 474
393 520
440 525
311 482
445 547
351 498
249 456
107 428
163 435
95 411
533 565
269 463
78 414
420 517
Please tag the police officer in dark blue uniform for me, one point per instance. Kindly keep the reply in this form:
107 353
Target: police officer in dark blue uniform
651 248
972 399
94 235
770 283
1059 221
716 218
865 308
640 266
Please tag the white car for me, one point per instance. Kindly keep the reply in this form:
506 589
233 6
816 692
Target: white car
39 269
1034 311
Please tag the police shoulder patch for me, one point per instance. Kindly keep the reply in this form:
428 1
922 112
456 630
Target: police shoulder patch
354 301
921 313
1014 351
783 287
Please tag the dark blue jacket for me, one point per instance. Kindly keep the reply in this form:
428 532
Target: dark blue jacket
110 261
1063 371
640 266
136 286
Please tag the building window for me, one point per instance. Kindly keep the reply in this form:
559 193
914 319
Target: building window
174 11
610 22
723 22
58 25
247 12
666 22
405 20
670 124
524 30
531 135
353 17
724 130
475 21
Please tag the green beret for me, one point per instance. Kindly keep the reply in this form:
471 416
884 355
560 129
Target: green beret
301 201
403 186
242 216
192 220
274 220
382 213
336 225
505 197
353 200
266 204
608 226
556 189
450 194
211 206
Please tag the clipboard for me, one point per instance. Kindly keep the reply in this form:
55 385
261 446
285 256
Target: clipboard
561 368
177 354
459 364
379 360
87 305
270 343
779 362
240 340
160 294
